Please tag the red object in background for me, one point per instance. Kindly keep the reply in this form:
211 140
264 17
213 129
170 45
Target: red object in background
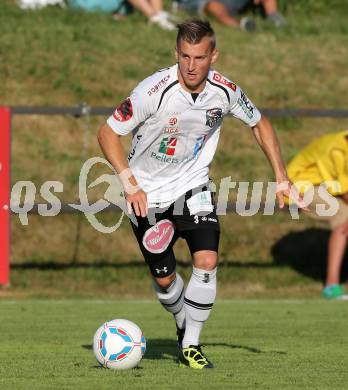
5 145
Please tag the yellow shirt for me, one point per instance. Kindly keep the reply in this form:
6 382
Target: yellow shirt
325 159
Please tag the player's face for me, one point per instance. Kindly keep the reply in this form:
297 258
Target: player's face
194 61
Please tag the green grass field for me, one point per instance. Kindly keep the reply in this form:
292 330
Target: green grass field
268 344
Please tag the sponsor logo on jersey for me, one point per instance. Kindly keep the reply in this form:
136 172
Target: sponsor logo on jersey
132 152
173 121
164 158
202 96
213 116
124 112
158 86
198 145
221 80
171 130
245 104
168 145
167 149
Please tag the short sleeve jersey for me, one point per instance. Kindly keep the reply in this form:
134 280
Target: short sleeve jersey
174 136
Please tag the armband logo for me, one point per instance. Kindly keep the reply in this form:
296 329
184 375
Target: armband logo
124 112
221 80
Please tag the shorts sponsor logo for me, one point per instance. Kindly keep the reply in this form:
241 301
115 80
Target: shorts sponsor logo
197 219
158 86
247 107
213 116
208 219
124 112
221 80
158 237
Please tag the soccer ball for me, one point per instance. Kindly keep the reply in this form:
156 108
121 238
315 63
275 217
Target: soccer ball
119 344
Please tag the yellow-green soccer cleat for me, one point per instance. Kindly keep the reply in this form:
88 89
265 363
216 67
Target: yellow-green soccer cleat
194 357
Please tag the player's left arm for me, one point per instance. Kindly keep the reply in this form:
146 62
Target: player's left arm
267 139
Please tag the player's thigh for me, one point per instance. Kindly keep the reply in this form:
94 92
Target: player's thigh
318 204
341 216
204 246
199 225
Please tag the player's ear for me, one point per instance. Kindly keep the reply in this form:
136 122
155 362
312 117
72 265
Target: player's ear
214 55
176 54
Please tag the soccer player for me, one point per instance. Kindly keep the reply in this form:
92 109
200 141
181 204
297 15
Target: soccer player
175 116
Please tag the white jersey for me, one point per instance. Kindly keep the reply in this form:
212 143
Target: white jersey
175 137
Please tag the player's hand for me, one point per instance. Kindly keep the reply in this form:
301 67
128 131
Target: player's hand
286 188
136 198
137 201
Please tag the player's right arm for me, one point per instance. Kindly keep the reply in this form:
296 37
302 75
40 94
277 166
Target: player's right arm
128 116
111 145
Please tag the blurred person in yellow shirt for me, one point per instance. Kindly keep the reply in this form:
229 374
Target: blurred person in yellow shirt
326 160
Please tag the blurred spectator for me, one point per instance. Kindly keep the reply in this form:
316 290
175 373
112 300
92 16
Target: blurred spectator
227 11
34 4
219 11
269 8
152 9
323 160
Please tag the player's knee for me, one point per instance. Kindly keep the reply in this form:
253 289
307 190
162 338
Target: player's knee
165 282
205 260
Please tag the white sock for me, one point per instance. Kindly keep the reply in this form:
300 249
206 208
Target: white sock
172 299
199 299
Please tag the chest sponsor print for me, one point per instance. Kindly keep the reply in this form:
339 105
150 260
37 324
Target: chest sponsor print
168 145
158 86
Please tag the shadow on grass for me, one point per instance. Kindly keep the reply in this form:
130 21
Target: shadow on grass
306 252
159 349
303 251
53 265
